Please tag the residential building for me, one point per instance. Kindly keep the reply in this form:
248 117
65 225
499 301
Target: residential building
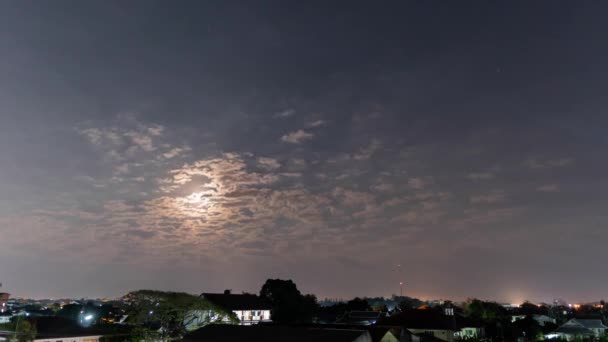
273 333
442 326
383 334
248 308
4 301
582 328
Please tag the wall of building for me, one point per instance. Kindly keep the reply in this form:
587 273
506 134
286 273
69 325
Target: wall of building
389 337
365 337
252 316
196 318
3 301
469 332
444 335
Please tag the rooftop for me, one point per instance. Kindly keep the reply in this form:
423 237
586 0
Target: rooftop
591 323
365 317
427 319
271 333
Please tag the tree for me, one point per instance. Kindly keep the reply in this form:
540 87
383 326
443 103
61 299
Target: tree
70 311
288 304
170 314
358 304
527 328
308 308
495 318
486 311
528 308
406 303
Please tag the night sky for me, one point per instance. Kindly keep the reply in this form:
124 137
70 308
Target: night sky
204 145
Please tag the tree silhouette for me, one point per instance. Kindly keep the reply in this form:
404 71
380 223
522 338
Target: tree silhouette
287 302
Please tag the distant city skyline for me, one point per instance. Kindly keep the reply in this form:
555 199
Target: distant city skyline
198 146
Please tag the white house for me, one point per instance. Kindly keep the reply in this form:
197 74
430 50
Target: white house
579 328
248 308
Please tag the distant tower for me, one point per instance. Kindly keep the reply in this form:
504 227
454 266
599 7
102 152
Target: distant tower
400 289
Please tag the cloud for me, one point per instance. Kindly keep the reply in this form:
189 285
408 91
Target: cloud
142 140
94 135
352 198
115 206
285 113
480 176
142 234
297 164
548 188
341 158
268 163
484 217
291 174
297 137
176 151
317 123
113 139
383 187
534 163
418 183
121 169
156 130
100 137
493 197
367 152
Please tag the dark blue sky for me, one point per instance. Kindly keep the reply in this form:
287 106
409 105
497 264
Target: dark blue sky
208 145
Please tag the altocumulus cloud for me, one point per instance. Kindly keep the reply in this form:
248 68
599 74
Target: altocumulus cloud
297 137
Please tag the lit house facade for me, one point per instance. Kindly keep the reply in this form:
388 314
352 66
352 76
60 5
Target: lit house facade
248 308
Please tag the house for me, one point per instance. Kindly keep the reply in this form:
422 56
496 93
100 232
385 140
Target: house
360 317
383 334
248 308
577 327
273 333
435 324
